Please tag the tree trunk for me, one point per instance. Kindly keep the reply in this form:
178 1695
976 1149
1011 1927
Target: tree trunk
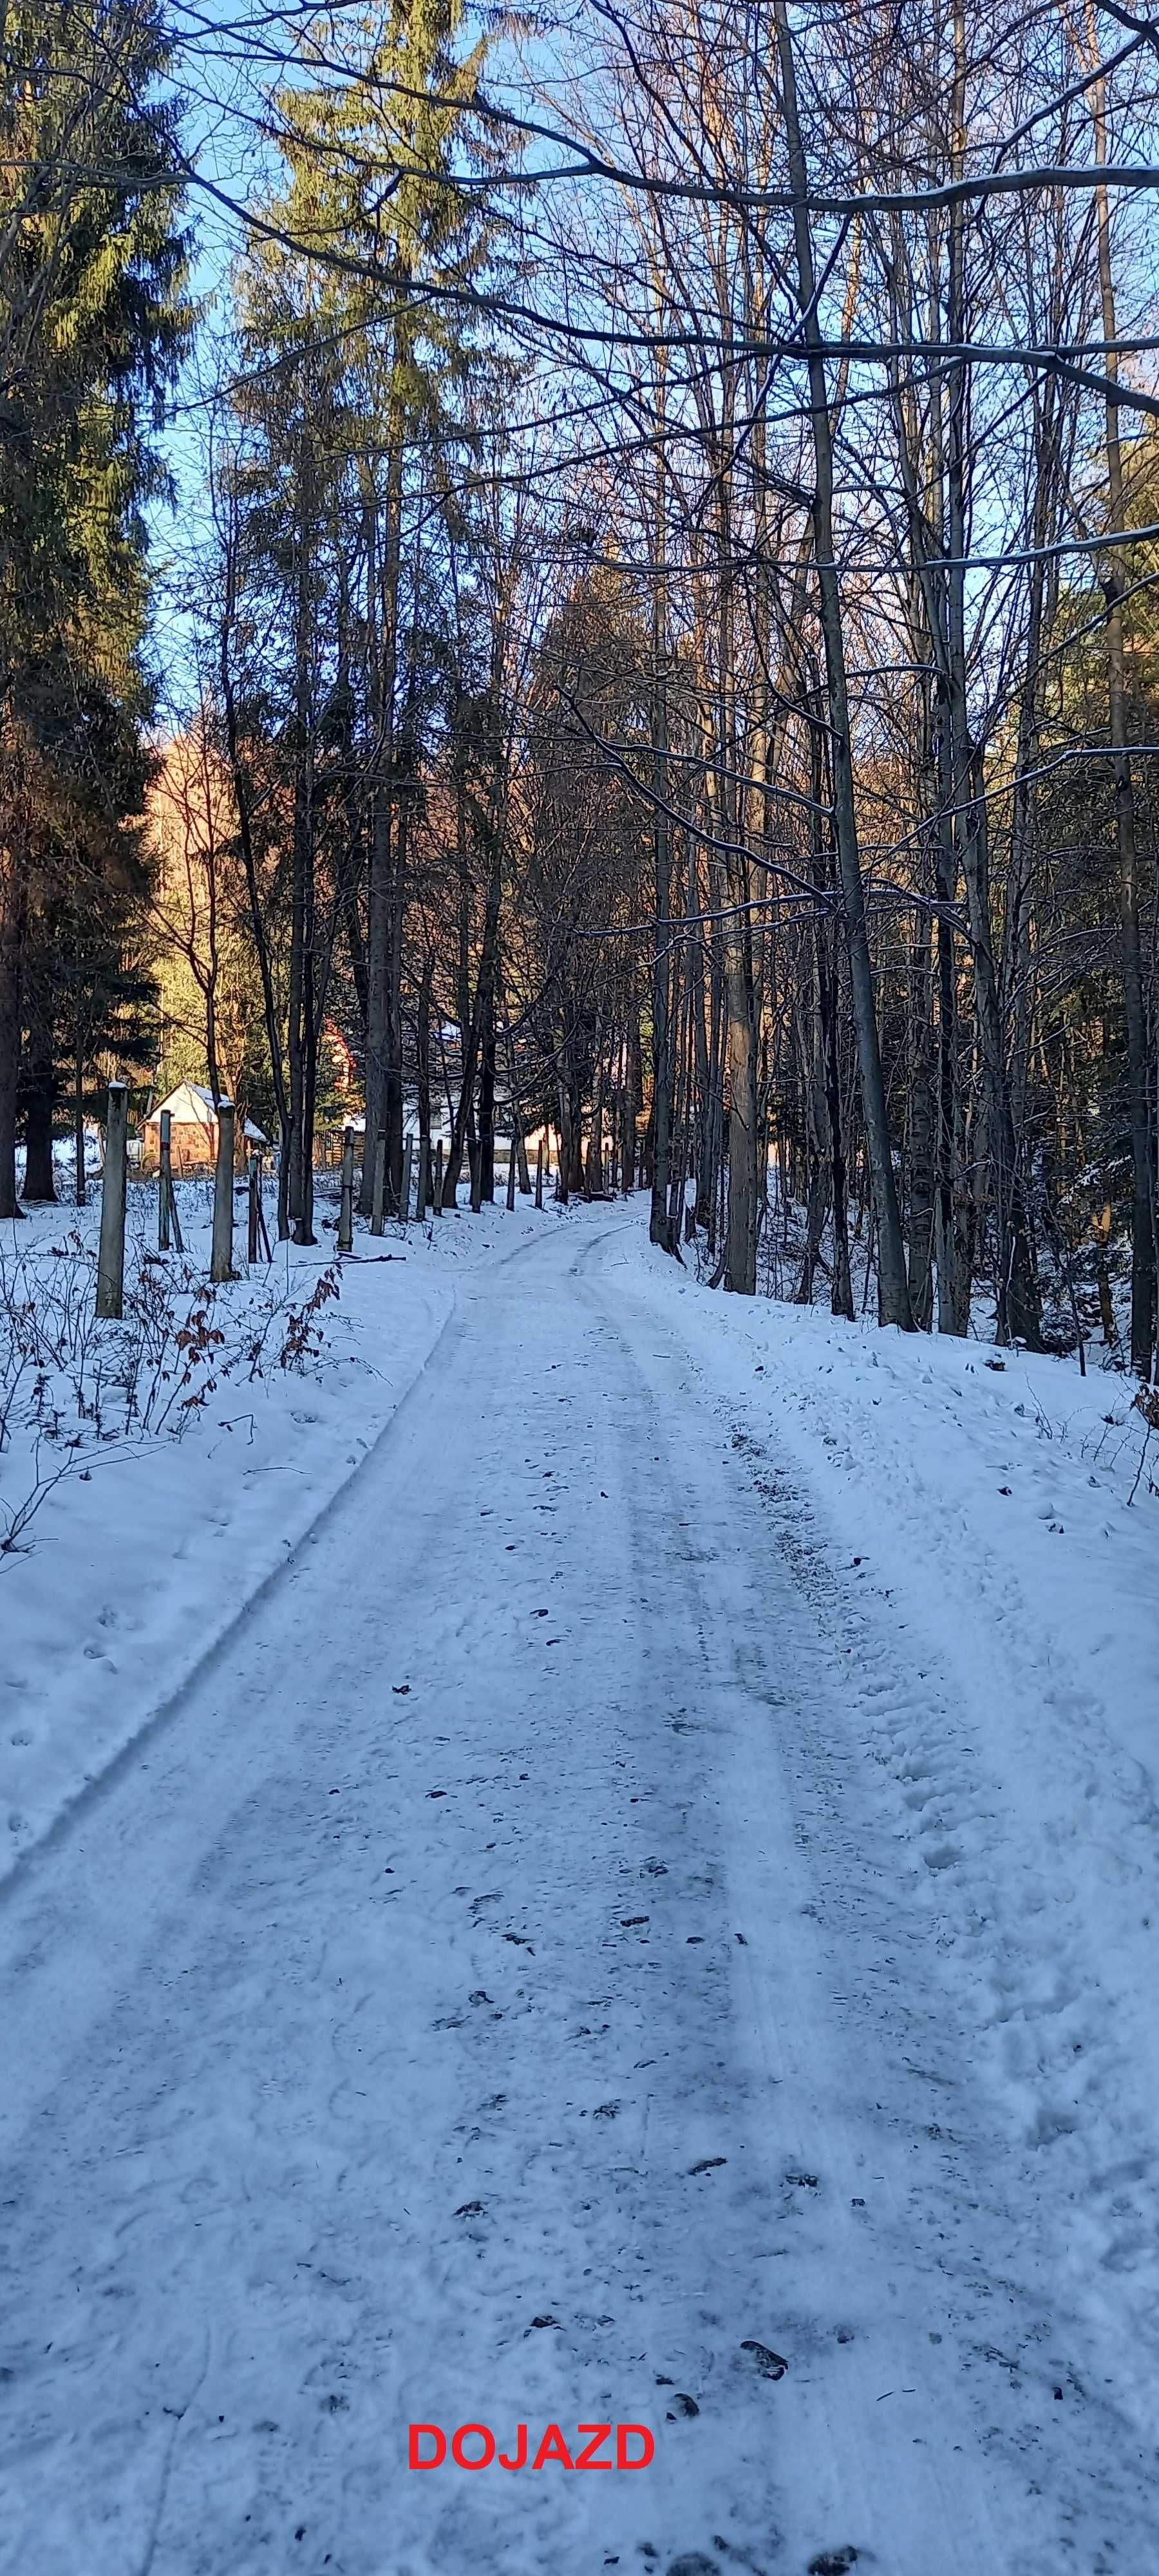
893 1293
487 1105
424 1081
40 1101
594 1176
253 891
13 926
841 1296
80 1185
484 1000
563 1166
384 572
741 1240
299 1179
394 1099
964 799
921 1138
659 1229
1134 999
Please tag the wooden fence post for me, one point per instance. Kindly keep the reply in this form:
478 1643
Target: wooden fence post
164 1180
511 1175
539 1174
424 1197
378 1190
79 1123
407 1161
254 1203
111 1256
438 1201
261 1234
168 1221
221 1258
346 1202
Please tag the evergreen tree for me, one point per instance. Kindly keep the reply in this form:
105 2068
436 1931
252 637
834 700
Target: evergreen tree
93 322
351 290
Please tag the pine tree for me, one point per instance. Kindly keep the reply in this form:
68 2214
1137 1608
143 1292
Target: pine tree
353 288
93 322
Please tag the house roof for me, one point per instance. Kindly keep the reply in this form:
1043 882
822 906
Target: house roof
191 1105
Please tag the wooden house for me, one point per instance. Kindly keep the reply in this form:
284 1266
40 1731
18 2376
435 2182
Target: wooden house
193 1132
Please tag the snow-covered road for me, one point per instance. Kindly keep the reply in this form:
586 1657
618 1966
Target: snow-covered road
492 1997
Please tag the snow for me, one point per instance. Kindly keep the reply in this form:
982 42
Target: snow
989 1509
150 1549
661 1879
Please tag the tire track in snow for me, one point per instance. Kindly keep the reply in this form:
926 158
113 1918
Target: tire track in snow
425 2064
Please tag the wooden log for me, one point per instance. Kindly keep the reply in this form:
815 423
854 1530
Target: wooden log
111 1256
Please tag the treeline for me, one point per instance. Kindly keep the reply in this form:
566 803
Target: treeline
672 638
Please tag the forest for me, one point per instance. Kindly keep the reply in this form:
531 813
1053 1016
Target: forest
579 1390
592 572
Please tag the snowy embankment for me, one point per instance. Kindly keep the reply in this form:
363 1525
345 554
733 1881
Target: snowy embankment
977 1525
151 1484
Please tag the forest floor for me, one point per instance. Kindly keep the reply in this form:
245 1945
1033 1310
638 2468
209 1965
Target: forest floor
650 1915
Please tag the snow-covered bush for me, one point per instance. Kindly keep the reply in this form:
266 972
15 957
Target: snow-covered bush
72 1384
